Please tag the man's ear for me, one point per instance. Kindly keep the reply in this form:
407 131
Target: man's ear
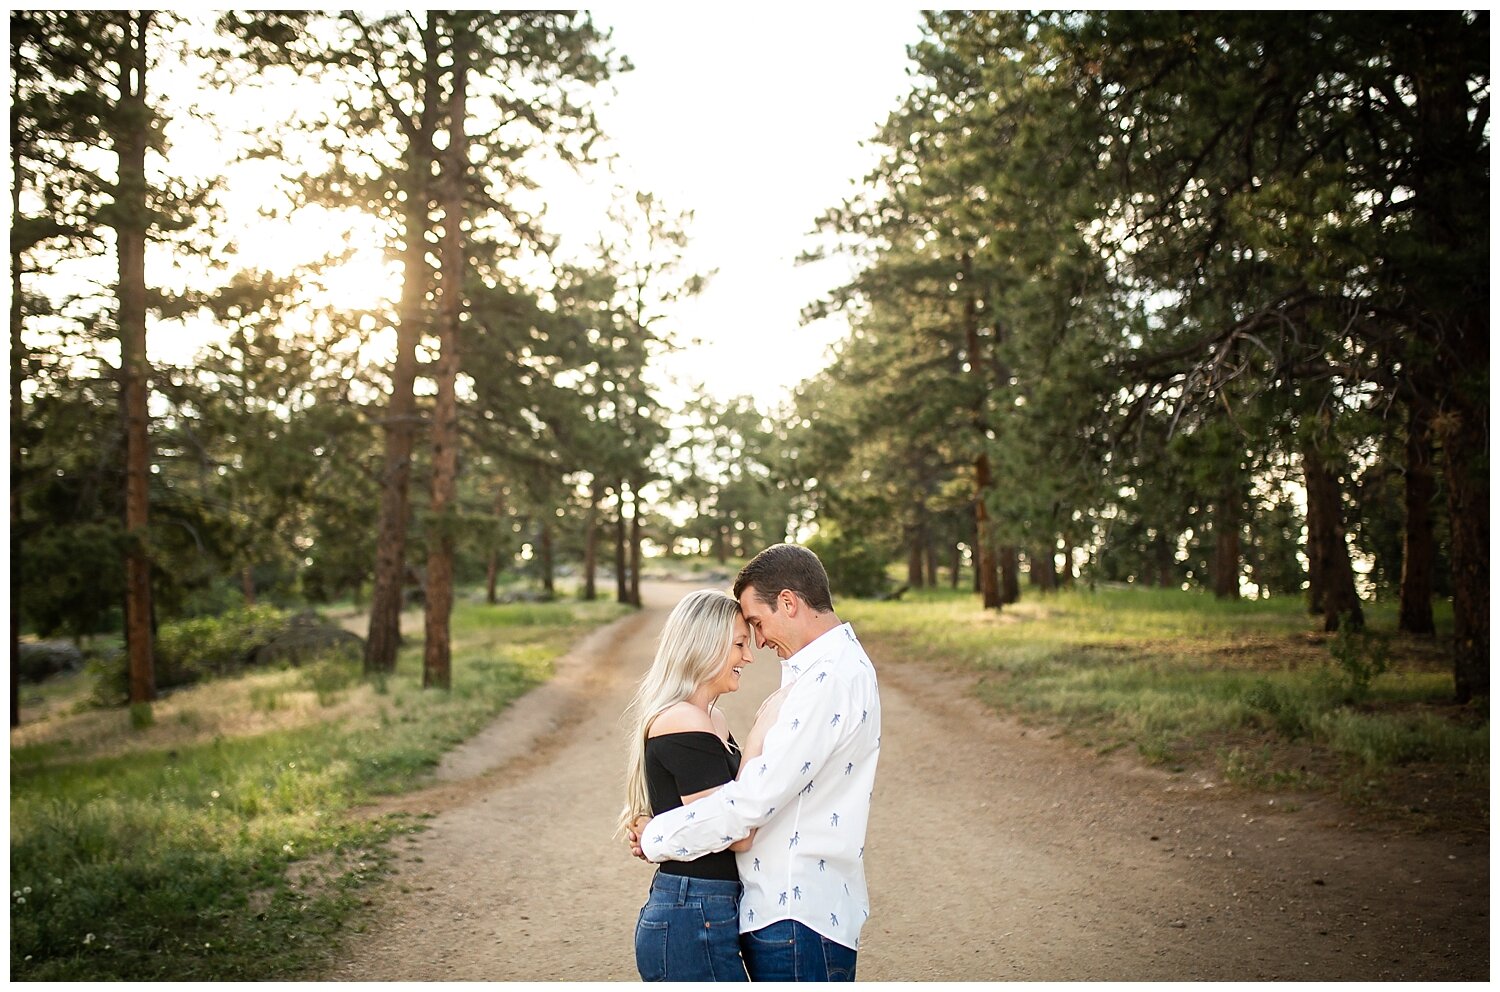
788 599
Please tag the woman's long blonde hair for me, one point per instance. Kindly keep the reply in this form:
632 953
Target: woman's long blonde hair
694 643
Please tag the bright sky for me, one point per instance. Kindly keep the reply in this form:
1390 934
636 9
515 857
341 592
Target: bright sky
755 124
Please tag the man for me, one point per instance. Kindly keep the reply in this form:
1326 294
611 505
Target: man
807 795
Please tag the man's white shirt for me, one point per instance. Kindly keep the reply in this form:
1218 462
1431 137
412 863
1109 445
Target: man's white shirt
808 793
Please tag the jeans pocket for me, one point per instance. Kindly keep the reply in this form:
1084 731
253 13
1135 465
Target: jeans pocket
838 961
651 945
721 911
773 936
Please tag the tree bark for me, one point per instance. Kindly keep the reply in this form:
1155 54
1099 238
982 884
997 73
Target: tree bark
1446 276
1465 453
984 550
622 578
401 415
545 557
1226 567
984 553
1418 550
914 562
1044 570
437 649
956 560
1340 600
1010 574
131 138
17 420
635 546
591 547
1316 551
492 568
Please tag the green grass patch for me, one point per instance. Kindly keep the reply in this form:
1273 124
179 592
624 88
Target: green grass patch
1253 686
184 850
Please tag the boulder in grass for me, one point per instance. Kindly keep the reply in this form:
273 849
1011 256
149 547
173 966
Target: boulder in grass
306 638
40 660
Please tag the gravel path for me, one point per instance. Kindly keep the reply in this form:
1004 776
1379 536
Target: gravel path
996 853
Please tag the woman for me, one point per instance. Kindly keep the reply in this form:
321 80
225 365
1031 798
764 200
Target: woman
681 749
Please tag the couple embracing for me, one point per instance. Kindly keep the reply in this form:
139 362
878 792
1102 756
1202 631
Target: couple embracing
760 842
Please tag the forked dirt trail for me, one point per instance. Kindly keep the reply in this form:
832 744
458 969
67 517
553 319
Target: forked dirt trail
995 854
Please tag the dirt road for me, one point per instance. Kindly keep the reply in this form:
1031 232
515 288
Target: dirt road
995 854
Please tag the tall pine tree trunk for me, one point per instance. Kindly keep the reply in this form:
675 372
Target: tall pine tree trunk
622 577
1340 600
984 482
956 564
1044 570
986 574
1466 457
635 545
17 377
545 557
437 651
1226 566
1010 574
1447 276
591 547
914 562
1418 550
131 138
492 567
1165 561
1316 551
401 413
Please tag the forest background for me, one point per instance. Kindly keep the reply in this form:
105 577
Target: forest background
1197 302
1151 298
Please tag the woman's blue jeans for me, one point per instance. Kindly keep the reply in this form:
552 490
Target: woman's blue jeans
689 931
788 951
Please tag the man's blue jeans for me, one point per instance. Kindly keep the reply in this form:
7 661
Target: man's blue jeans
788 951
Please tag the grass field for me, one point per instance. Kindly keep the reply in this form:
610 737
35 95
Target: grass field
224 841
1252 689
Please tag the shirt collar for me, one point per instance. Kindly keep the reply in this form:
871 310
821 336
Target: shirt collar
812 652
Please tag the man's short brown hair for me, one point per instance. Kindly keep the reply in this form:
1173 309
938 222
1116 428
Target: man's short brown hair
786 566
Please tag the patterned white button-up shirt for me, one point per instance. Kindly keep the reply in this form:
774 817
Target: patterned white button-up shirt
808 793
